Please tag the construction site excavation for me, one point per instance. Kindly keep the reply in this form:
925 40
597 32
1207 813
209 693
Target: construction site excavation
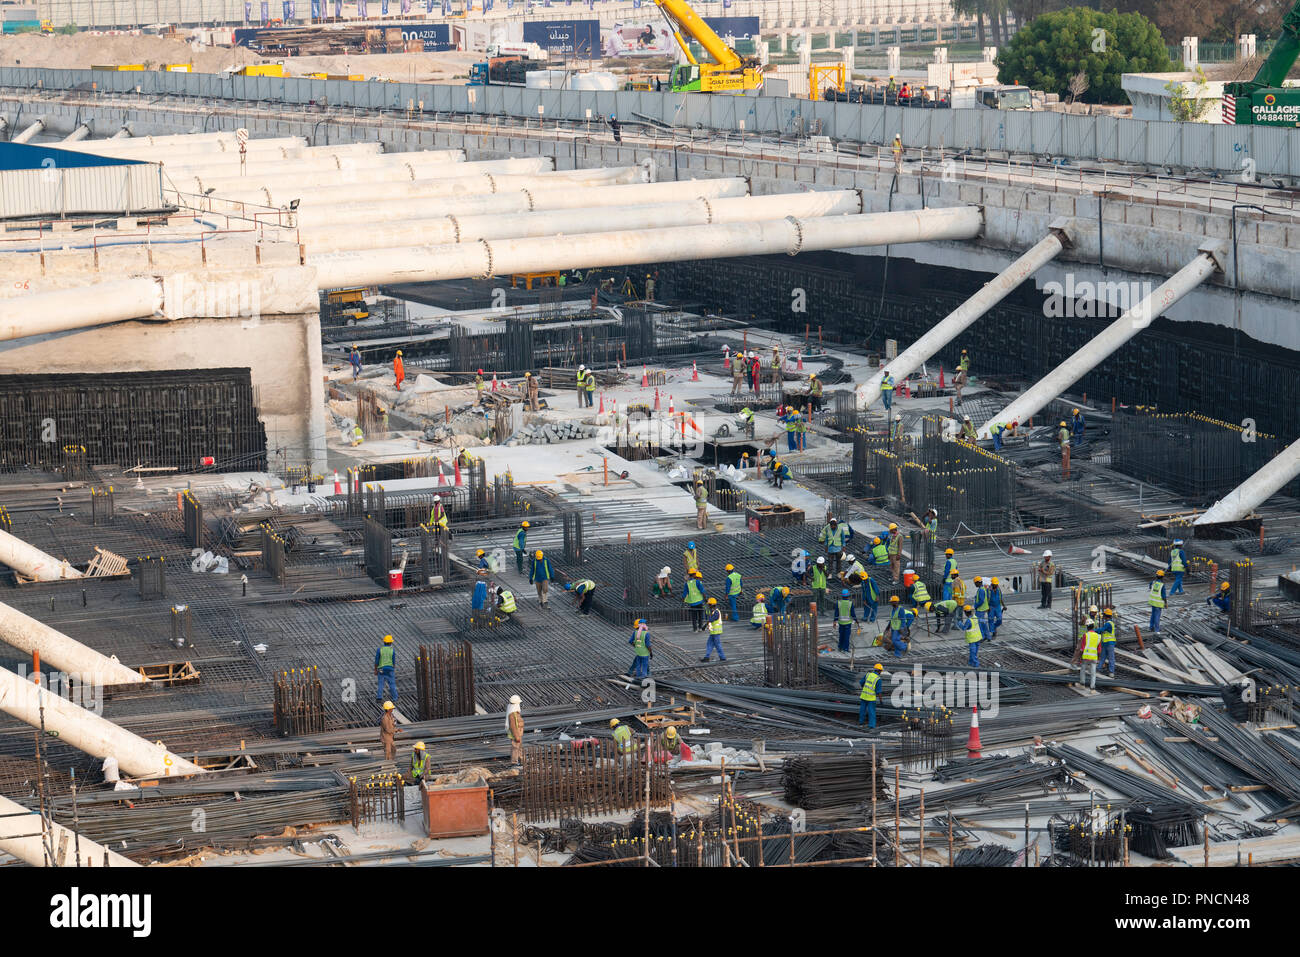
382 488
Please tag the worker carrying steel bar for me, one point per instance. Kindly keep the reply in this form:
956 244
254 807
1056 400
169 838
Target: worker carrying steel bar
640 642
1156 598
388 731
714 629
386 670
515 730
867 696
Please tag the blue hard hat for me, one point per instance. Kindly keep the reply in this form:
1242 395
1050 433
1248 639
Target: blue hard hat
611 116
568 586
844 593
690 544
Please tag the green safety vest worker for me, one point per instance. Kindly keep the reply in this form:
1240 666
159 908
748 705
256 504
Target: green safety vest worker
844 611
759 614
438 516
887 383
386 656
872 593
776 359
562 281
506 602
947 606
982 599
1063 437
932 529
895 542
692 560
1157 599
419 764
1107 632
880 553
521 540
963 364
856 569
1090 642
833 536
896 429
623 738
896 619
920 594
733 583
701 496
591 381
972 629
715 623
582 378
815 388
1176 560
869 686
584 586
791 424
818 577
693 594
968 431
638 644
478 383
996 427
746 413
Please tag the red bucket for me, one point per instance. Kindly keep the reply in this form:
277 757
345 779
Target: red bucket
394 579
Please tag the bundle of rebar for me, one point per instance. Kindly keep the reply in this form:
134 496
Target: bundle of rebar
986 855
378 798
790 651
928 737
1098 839
1154 828
1241 576
592 776
299 702
813 782
444 680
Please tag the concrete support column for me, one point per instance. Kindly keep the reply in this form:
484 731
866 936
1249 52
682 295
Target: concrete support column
21 836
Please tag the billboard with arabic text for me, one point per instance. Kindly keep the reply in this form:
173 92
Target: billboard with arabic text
580 38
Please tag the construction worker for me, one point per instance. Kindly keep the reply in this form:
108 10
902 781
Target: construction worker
354 357
879 552
540 575
622 736
479 596
814 392
582 385
745 422
867 697
478 387
356 435
845 615
483 565
515 729
1063 440
590 386
995 430
616 128
386 670
963 364
399 370
918 595
801 431
896 428
691 559
887 391
982 607
383 421
388 731
853 570
970 627
776 365
1156 599
733 586
419 765
1107 632
968 433
437 515
1077 426
779 599
715 632
1223 600
1177 565
671 741
1046 570
756 372
584 591
663 586
870 597
891 88
701 506
897 147
737 373
949 564
521 546
779 473
505 604
945 612
950 579
1088 656
930 523
898 623
640 642
758 615
799 566
956 588
531 387
818 582
833 535
995 607
693 598
791 423
649 287
895 550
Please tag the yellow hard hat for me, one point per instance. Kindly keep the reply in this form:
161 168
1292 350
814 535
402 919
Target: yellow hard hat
399 352
388 639
893 598
760 596
993 581
528 375
524 524
419 745
954 573
713 601
537 554
978 579
671 732
878 666
731 568
812 375
695 572
927 606
947 551
1074 412
1224 587
1160 574
968 608
480 552
893 527
1108 612
613 722
389 706
1062 425
876 540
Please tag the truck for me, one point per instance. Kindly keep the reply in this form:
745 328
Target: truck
501 71
725 72
1263 100
529 51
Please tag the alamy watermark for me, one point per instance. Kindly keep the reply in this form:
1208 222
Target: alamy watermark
934 689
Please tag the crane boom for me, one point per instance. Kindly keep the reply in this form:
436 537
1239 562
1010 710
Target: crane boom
1273 71
1265 99
685 19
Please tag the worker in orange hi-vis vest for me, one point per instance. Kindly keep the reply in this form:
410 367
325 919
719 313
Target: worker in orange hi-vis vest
399 370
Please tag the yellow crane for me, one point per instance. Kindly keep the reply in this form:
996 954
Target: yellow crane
727 73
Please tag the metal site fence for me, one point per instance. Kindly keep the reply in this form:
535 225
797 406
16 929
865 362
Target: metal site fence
1188 453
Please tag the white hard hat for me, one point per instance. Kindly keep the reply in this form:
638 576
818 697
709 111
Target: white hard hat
437 498
849 557
1178 541
665 571
580 366
1047 554
898 415
514 699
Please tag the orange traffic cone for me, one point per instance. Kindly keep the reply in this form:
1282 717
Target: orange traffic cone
800 365
338 486
442 479
494 382
973 742
602 404
671 410
656 400
1017 550
458 478
941 375
695 373
726 357
645 377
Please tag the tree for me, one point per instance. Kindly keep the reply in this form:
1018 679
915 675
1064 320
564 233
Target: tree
1078 85
1050 51
1188 104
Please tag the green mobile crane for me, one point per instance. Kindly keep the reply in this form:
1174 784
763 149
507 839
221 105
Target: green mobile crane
1263 100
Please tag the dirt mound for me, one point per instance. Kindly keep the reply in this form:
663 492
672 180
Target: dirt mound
82 51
